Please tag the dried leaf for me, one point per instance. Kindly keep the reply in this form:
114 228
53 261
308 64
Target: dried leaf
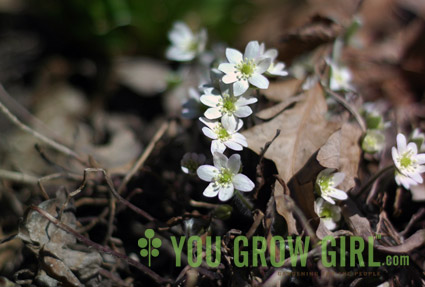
304 130
282 90
283 210
343 152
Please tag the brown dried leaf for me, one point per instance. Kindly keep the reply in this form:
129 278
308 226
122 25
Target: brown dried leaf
343 152
282 90
304 130
282 208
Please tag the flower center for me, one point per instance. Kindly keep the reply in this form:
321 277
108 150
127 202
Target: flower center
325 183
405 161
221 133
246 68
326 213
191 165
225 177
228 104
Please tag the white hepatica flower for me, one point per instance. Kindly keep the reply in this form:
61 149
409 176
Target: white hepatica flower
330 214
340 77
326 184
275 69
373 141
191 161
223 137
408 162
223 104
224 177
245 69
185 45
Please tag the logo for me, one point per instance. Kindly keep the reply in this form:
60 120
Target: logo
149 245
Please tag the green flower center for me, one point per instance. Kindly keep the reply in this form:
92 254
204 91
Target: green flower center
325 183
191 165
228 104
246 68
225 177
221 133
326 213
406 160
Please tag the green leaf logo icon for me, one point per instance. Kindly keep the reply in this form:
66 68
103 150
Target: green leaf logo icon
149 245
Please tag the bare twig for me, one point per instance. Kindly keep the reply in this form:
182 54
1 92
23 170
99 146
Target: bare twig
418 215
18 177
195 203
100 248
139 163
57 146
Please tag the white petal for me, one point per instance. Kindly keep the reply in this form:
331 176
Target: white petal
185 170
244 101
263 65
420 158
413 147
234 163
417 177
329 223
229 122
252 50
226 192
211 190
338 177
338 194
230 78
243 183
220 160
259 81
401 143
233 56
208 123
239 125
209 133
227 68
239 87
174 53
328 199
217 146
207 172
240 139
271 53
210 100
212 113
243 112
395 155
233 145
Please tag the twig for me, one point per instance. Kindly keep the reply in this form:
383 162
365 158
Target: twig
346 105
18 177
90 201
144 155
372 179
195 203
100 248
412 221
258 217
57 146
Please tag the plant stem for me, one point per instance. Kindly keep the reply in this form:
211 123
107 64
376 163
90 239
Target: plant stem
243 200
373 178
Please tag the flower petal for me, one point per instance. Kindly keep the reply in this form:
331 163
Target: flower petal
226 192
233 56
229 122
211 190
243 112
413 147
328 199
239 87
395 155
209 133
217 146
210 100
233 145
240 139
212 113
401 143
227 68
220 160
338 177
244 101
263 65
230 78
207 172
259 81
420 158
234 163
252 50
338 194
243 183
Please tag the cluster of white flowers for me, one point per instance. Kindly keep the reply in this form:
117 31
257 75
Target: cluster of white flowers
227 99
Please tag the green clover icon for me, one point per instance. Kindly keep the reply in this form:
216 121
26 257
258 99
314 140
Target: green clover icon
151 245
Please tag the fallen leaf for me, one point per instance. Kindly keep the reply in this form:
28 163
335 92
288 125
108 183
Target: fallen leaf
342 152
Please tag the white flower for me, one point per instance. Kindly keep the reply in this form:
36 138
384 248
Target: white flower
275 69
245 69
224 177
408 162
223 104
191 161
373 141
185 45
326 184
330 214
223 137
419 139
340 77
192 108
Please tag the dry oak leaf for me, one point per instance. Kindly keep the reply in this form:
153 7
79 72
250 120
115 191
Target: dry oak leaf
304 130
342 152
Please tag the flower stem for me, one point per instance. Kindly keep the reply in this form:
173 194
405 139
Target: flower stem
243 200
373 178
